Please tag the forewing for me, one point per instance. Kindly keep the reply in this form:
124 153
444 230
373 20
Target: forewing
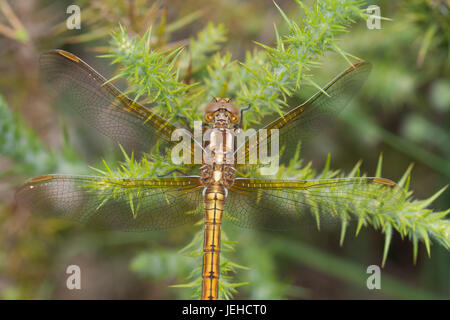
102 105
121 204
316 113
287 204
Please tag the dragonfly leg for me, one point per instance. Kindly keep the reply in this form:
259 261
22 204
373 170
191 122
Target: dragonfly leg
172 171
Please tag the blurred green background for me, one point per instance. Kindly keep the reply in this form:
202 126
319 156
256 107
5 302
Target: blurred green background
401 112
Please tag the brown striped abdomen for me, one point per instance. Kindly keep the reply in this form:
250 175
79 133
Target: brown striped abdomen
214 204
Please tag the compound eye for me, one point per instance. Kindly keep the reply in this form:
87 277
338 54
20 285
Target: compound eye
209 117
234 118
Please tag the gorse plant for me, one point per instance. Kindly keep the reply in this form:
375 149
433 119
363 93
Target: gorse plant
180 81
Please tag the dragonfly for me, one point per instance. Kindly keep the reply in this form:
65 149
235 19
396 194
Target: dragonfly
218 192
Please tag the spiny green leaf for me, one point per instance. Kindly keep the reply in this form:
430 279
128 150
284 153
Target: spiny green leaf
286 19
327 167
406 176
426 240
427 202
361 222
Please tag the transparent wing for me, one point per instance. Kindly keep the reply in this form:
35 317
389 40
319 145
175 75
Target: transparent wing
122 204
102 105
306 119
286 204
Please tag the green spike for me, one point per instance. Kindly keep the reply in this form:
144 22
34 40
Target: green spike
305 8
426 240
352 55
98 170
107 167
114 78
342 53
408 181
440 215
327 167
317 219
352 173
317 87
102 203
379 165
405 176
387 243
127 159
277 35
359 226
192 243
185 285
235 285
283 15
130 197
122 28
238 266
427 202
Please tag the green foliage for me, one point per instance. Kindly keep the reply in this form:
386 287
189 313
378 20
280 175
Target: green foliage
150 73
208 41
20 144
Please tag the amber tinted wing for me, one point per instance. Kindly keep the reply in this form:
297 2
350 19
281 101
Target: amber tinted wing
286 204
102 105
302 121
122 204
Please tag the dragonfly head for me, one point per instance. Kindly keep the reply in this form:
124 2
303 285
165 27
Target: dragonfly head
221 111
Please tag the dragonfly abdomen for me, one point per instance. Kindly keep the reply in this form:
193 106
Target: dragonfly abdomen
214 205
